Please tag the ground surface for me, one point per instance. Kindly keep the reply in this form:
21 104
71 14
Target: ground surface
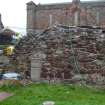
62 95
4 95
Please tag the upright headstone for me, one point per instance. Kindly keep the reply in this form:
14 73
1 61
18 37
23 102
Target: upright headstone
36 65
35 69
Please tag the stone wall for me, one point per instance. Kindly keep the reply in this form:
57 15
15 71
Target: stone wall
62 53
83 13
1 24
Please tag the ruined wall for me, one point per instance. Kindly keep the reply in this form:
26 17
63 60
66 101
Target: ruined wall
1 24
83 13
62 53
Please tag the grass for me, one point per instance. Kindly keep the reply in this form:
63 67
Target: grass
36 94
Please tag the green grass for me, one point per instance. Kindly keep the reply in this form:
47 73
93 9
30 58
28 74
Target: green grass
61 94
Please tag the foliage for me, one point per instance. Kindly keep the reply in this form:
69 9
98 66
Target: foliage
16 38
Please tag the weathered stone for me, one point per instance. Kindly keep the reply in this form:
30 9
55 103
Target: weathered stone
49 103
70 51
35 74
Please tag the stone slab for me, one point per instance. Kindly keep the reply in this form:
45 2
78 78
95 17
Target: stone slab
35 65
4 95
35 74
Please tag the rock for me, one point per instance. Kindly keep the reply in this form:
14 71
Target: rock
48 103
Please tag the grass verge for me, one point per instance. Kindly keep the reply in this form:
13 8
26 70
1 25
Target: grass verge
36 94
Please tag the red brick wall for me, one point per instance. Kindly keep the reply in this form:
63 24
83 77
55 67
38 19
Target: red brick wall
43 17
64 14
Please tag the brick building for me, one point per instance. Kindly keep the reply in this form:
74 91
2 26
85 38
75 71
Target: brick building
73 13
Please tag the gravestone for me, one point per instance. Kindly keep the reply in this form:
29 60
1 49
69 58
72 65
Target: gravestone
36 66
35 69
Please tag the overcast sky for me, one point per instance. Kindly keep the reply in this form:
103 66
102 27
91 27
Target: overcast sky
14 11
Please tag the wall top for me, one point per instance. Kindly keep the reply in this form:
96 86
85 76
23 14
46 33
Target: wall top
76 1
92 3
31 3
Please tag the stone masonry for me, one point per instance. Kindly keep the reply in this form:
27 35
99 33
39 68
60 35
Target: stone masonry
1 24
76 13
63 54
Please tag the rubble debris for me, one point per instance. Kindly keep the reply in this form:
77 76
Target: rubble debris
67 51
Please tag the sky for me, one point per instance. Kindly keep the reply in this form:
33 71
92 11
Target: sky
14 12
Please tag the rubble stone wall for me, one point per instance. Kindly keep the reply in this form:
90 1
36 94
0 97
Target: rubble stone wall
62 53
